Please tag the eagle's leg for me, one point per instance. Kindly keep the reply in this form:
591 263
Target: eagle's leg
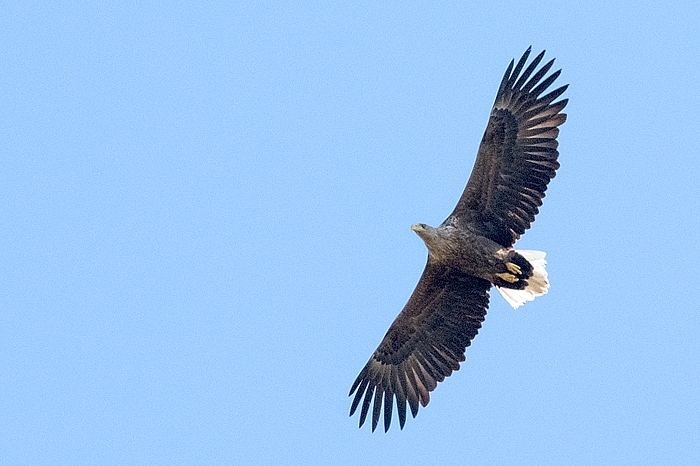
514 271
513 268
509 277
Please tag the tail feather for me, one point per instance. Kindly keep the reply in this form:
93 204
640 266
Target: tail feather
537 284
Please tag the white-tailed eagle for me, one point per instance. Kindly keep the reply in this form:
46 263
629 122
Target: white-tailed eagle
472 249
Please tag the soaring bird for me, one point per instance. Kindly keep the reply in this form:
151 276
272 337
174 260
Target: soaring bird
472 249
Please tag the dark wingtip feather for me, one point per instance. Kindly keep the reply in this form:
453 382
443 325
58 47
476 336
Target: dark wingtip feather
546 83
388 406
401 407
563 103
358 380
528 71
412 392
365 404
377 408
549 98
504 82
519 67
358 395
536 78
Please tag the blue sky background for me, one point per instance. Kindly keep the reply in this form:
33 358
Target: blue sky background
205 212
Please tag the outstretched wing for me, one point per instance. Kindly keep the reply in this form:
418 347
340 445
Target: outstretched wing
424 345
517 157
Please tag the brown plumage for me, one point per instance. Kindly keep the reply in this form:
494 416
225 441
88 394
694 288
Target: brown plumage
472 250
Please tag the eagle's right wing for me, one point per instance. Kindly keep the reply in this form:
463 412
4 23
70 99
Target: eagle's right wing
424 345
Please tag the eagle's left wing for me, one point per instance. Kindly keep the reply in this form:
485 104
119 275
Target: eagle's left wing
518 154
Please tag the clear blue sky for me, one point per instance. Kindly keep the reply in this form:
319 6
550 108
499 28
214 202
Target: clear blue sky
205 212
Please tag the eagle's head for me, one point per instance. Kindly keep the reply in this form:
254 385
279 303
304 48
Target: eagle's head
428 234
439 241
423 230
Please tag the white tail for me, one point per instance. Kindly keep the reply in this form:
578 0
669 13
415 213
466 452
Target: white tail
537 284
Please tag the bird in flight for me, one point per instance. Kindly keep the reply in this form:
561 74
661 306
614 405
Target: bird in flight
472 249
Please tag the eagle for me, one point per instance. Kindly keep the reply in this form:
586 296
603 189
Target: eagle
472 250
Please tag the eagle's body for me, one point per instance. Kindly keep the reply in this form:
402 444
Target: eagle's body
472 250
469 252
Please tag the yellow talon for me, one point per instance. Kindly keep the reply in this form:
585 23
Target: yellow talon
514 269
510 278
